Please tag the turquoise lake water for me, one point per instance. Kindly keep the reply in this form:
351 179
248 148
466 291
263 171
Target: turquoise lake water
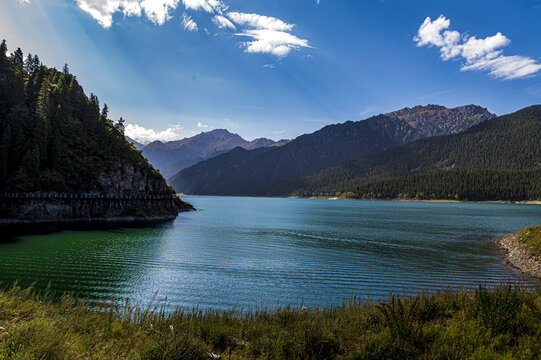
242 253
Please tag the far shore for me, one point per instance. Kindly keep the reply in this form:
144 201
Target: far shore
538 202
535 202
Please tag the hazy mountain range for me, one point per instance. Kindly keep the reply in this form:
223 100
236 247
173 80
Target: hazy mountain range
259 171
172 156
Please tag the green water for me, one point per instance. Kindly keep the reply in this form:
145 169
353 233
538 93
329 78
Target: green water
246 252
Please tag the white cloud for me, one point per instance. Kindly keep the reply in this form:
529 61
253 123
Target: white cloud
24 1
478 54
188 23
269 66
102 10
270 35
146 135
201 125
259 21
207 5
223 23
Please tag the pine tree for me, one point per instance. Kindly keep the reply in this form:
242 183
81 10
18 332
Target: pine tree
3 47
105 111
29 64
17 58
120 126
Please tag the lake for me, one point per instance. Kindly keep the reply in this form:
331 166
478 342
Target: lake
239 252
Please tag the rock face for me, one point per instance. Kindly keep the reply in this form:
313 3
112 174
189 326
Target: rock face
116 195
28 210
128 179
517 254
435 120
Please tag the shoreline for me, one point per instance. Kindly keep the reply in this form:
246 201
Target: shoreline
517 255
530 202
92 220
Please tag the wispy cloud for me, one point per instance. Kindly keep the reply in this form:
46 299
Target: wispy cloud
223 23
206 5
188 23
477 54
201 125
146 135
268 35
534 90
369 110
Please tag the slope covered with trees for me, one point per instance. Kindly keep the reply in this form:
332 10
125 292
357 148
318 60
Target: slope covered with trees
498 159
257 173
55 138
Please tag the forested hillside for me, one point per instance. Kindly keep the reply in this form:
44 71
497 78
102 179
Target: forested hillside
248 173
55 138
497 159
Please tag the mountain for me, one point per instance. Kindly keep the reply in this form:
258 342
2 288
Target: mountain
257 143
504 150
242 172
281 142
56 140
173 156
435 120
137 145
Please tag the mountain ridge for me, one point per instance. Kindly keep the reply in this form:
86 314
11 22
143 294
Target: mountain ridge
245 173
510 142
172 156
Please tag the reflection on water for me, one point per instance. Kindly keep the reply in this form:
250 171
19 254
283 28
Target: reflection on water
245 252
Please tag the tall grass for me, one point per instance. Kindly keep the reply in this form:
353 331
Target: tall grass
488 323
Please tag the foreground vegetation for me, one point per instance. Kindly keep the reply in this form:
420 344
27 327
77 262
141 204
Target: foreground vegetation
503 322
531 236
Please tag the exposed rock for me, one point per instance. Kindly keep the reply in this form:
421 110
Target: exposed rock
518 255
28 210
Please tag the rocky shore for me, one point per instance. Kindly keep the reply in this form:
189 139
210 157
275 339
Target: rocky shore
518 255
31 211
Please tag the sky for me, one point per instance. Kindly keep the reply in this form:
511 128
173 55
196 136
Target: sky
281 68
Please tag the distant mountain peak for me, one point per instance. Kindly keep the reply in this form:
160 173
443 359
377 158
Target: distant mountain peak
173 156
435 120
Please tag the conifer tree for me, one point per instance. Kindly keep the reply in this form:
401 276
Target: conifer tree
3 47
105 111
120 126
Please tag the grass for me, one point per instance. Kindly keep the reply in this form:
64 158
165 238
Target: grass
531 236
498 323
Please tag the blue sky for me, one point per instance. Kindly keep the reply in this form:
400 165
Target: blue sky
281 68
